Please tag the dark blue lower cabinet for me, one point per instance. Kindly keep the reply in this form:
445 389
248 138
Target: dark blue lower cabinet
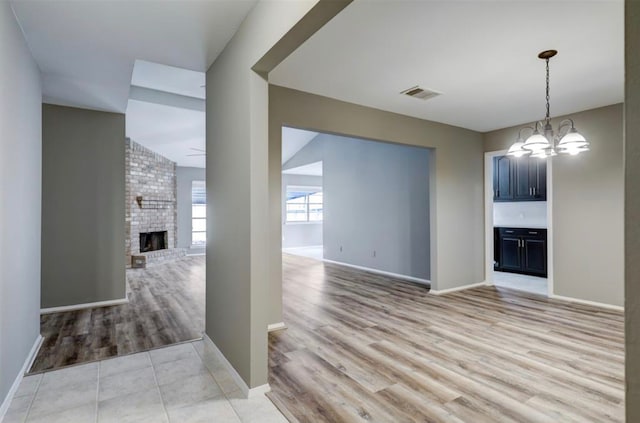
521 250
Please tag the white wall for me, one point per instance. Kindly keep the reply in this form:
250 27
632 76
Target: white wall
520 214
300 234
20 199
376 203
184 177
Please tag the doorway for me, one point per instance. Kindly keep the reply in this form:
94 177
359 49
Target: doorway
518 223
302 194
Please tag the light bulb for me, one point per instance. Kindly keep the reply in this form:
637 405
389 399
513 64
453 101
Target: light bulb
516 149
573 139
536 142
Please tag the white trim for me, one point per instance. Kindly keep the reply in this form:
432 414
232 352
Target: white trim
549 229
382 272
488 213
488 219
83 306
458 288
587 302
276 326
246 391
16 383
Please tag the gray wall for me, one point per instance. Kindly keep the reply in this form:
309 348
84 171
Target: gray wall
238 157
376 198
300 234
587 240
20 194
83 206
632 208
456 179
185 176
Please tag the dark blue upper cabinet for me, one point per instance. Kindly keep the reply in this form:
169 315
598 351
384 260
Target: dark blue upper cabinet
502 179
519 179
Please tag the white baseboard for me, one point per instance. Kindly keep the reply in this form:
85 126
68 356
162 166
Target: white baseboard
587 302
382 272
83 306
16 383
246 391
458 288
276 326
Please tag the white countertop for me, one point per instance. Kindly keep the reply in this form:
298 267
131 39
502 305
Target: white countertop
522 226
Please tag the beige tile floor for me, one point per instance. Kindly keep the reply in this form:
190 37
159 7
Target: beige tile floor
183 383
524 283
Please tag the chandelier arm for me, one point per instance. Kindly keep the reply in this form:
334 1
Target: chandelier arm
565 124
523 128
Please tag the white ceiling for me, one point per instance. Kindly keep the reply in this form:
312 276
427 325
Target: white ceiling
169 79
293 140
86 49
170 131
166 112
311 169
482 55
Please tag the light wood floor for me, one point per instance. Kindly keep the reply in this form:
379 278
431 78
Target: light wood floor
166 306
367 348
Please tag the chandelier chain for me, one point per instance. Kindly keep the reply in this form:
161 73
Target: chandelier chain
548 113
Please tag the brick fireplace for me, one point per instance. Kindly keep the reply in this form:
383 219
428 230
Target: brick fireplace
151 213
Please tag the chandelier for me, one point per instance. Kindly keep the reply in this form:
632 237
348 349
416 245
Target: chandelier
543 141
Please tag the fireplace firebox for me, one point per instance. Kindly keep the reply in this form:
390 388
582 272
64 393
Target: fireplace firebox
152 241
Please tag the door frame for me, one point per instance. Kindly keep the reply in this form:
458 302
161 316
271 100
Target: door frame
488 219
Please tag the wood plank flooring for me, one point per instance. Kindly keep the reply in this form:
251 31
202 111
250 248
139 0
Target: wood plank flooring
366 348
166 306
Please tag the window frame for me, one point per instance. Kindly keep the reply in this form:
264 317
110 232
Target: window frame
198 184
309 190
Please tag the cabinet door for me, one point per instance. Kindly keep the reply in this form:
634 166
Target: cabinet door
502 187
539 179
535 256
510 255
522 187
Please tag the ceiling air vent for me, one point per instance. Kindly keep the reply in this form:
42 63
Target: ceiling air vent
420 93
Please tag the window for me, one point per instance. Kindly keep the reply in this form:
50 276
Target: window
198 213
304 204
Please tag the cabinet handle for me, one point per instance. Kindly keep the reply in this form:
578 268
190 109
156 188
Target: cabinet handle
534 191
518 243
533 233
530 193
509 232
